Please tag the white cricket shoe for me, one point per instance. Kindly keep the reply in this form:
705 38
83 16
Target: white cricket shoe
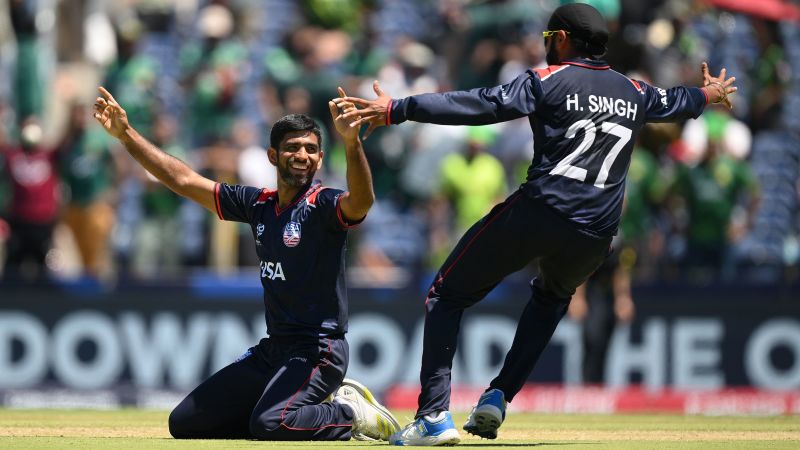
429 432
371 420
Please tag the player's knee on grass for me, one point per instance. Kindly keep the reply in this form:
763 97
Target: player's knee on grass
265 426
179 423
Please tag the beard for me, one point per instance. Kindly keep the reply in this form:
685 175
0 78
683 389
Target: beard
295 179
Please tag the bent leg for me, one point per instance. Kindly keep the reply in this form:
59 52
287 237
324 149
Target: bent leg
559 275
220 407
475 266
292 406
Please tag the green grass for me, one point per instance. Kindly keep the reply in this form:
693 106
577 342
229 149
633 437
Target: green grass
123 429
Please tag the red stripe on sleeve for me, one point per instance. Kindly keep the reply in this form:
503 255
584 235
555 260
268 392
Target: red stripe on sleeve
342 222
389 113
636 85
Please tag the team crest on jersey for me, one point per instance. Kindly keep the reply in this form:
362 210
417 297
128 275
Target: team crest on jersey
291 234
259 230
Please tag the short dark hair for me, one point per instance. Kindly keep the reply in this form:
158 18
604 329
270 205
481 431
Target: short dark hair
290 123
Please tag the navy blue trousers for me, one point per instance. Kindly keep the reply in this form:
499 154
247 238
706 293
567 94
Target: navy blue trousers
274 392
513 234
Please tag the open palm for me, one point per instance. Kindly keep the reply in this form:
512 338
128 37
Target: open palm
722 85
110 115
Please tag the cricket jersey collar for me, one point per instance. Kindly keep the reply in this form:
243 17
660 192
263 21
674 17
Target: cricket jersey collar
594 64
301 194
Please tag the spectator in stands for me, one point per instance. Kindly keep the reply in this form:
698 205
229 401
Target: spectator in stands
35 201
213 67
641 242
712 189
133 76
474 180
599 304
27 84
471 182
157 240
87 169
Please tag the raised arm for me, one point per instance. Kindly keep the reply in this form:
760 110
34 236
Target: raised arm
171 171
681 102
357 202
480 106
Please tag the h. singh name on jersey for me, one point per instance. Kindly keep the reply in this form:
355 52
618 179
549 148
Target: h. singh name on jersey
599 103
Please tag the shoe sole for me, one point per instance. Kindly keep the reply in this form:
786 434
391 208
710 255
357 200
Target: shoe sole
447 438
487 422
371 400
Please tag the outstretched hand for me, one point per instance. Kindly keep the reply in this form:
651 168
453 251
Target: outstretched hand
718 88
373 112
110 115
342 120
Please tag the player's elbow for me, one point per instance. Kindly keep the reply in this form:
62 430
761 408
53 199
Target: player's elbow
353 216
369 200
361 206
182 183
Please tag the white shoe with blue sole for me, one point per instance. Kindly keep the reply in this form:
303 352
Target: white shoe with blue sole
425 432
487 416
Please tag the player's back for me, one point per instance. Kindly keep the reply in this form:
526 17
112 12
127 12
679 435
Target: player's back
585 123
585 118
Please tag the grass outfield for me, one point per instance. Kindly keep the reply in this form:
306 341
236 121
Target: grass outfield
83 429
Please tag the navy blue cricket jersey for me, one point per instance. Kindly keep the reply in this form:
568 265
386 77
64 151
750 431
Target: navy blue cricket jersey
585 118
302 253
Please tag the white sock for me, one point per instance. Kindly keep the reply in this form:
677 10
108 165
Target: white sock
435 417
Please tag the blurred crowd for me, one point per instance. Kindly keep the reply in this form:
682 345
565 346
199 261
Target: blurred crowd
712 199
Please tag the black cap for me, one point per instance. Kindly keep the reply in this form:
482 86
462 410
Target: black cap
582 21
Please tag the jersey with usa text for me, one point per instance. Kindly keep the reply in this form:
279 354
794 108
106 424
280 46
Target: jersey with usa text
301 249
585 118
